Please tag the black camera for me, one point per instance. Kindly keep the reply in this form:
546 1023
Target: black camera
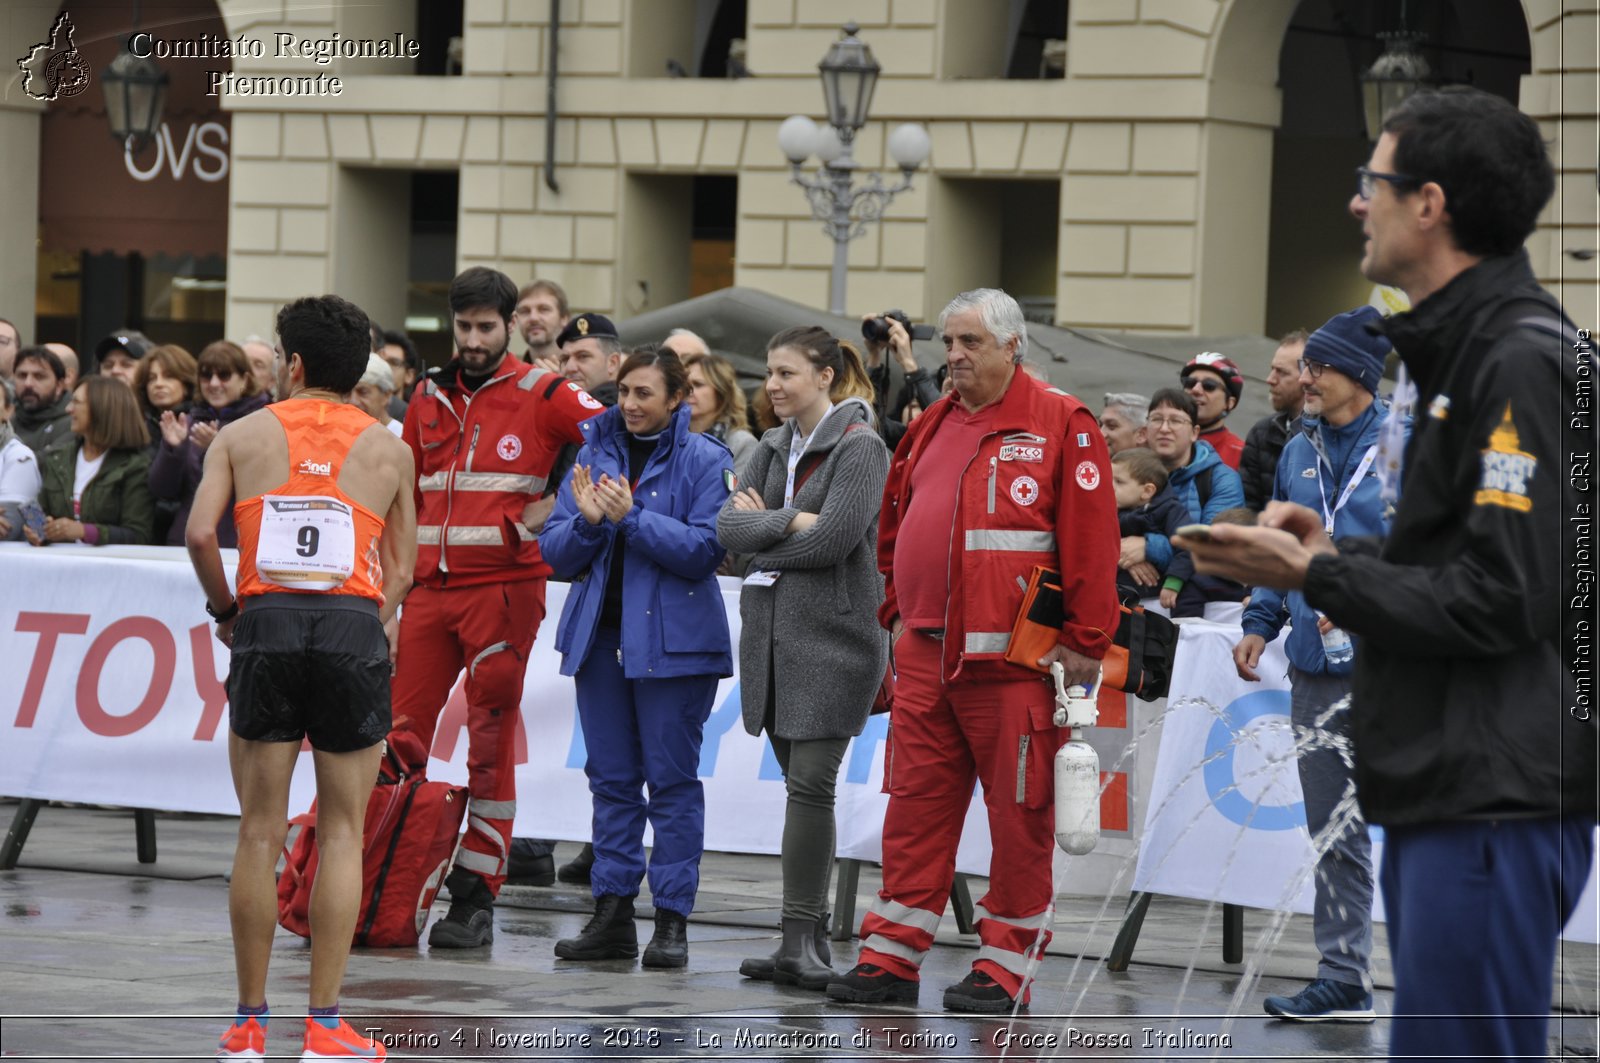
876 329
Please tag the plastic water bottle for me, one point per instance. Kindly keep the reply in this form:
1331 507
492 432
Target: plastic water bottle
1336 645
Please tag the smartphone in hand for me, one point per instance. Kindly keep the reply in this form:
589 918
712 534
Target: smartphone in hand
1197 532
33 517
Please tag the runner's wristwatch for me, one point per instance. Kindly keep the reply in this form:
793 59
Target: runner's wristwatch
226 615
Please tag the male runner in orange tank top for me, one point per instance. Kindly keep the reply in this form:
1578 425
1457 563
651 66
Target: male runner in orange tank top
321 574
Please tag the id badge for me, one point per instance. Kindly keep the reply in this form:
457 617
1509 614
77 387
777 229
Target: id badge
307 542
761 579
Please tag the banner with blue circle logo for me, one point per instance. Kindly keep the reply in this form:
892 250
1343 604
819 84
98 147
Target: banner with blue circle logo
1226 819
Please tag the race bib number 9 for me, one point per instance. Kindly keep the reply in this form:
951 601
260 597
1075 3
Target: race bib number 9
307 542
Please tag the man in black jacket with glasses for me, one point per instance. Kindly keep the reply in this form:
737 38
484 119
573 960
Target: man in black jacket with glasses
1474 746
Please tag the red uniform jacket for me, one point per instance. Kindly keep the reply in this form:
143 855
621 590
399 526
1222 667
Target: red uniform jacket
1038 492
481 457
1229 447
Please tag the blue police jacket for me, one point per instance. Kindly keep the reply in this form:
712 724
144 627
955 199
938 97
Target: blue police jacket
1225 491
1336 454
673 622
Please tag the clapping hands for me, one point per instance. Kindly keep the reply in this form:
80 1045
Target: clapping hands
608 499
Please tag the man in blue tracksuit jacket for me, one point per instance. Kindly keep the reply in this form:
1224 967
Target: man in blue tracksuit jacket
1330 469
645 635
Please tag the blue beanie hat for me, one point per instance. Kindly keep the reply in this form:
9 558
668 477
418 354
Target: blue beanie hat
1346 344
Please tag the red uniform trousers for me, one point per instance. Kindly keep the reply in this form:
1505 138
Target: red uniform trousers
940 738
487 629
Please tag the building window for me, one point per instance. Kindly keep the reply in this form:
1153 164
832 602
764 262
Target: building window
1020 39
988 233
677 238
686 38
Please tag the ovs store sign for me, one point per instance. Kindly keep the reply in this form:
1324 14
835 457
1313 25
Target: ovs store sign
201 151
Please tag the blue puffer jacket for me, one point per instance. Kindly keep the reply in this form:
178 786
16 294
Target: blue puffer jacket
1227 492
673 622
1338 452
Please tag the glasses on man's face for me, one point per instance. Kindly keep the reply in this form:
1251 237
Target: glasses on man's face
1312 369
1365 181
1177 424
223 375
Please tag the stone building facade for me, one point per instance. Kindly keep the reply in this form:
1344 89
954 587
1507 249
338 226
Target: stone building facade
1147 171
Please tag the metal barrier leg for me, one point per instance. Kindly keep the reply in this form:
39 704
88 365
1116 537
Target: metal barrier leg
144 834
1232 933
961 902
844 900
21 824
1128 934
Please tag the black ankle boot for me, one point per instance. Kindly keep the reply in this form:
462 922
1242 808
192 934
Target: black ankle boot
824 949
609 935
470 922
761 967
578 870
670 945
798 962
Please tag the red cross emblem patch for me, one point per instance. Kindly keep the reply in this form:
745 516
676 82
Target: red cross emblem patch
1024 490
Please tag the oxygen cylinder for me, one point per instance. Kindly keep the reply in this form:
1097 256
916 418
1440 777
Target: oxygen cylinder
1077 772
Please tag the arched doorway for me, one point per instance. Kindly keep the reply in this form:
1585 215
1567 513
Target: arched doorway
1315 245
137 240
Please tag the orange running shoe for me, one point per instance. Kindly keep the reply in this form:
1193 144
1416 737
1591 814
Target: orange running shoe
243 1042
342 1043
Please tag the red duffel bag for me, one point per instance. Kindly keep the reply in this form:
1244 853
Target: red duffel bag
408 841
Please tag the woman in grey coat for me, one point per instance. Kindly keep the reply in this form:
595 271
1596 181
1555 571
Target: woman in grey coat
812 653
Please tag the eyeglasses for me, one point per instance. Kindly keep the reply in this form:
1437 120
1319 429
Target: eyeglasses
1313 369
223 375
1169 422
1204 382
1366 177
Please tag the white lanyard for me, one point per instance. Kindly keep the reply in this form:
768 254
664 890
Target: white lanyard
797 450
1392 436
1360 474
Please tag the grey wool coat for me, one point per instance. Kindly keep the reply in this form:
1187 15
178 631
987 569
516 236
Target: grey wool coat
813 637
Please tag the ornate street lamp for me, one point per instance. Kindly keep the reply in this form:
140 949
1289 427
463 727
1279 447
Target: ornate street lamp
1399 71
136 91
849 75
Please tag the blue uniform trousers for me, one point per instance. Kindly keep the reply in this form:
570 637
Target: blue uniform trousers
1475 908
644 733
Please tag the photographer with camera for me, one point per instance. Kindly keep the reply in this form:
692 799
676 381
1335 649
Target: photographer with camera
894 330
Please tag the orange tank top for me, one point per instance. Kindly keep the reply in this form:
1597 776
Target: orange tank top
309 537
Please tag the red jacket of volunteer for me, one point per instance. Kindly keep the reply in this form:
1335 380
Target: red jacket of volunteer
481 457
1037 492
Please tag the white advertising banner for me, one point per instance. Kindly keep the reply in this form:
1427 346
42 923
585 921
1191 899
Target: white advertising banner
1225 818
114 695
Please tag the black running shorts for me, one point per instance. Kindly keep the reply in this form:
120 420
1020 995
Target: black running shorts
312 666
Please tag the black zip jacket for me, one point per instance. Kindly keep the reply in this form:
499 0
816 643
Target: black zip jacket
1258 464
1461 691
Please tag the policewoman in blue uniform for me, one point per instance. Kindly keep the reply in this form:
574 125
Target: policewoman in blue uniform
645 635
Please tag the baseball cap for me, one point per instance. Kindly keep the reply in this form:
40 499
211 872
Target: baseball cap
133 341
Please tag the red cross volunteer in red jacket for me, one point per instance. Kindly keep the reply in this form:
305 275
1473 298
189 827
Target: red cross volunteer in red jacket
1004 474
484 431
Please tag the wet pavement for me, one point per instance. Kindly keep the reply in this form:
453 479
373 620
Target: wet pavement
103 957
